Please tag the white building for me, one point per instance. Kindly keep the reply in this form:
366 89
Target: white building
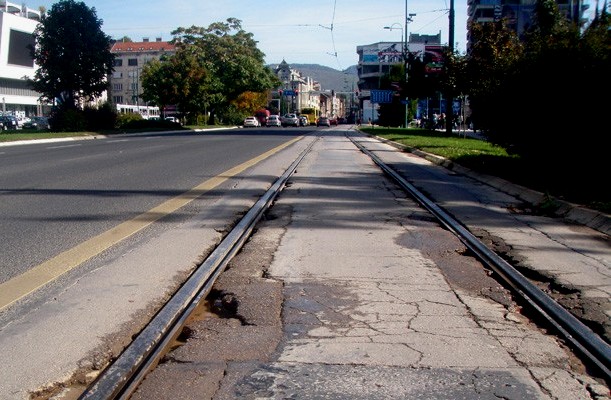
126 81
17 25
297 91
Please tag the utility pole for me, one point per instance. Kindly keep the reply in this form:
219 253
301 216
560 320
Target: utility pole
405 124
449 98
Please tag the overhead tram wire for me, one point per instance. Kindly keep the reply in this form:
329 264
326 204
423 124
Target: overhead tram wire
334 54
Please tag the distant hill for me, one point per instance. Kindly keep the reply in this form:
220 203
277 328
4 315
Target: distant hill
329 78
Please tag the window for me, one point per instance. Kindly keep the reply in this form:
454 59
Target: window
118 62
117 99
117 75
132 62
18 48
117 86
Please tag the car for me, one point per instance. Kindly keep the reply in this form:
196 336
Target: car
323 121
41 123
303 120
9 122
273 120
251 122
290 120
333 121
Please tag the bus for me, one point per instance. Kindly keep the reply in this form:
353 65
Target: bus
147 112
311 113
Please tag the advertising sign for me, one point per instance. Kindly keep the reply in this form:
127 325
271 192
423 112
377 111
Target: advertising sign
381 96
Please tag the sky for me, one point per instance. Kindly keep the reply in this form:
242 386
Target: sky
324 32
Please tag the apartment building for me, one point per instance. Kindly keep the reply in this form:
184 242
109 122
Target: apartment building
519 13
376 59
125 84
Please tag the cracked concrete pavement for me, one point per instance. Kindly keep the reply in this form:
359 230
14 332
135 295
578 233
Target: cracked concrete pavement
349 290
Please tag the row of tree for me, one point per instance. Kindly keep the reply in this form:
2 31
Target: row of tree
542 96
216 71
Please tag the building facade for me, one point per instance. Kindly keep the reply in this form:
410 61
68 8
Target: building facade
125 83
376 59
17 25
519 13
299 92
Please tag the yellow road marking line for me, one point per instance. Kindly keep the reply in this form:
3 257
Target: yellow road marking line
24 284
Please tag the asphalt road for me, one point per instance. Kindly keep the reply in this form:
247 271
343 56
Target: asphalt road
97 233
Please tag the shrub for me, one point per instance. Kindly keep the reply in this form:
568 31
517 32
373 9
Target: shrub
102 117
124 120
67 120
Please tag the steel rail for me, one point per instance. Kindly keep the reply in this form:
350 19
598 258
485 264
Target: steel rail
592 346
121 378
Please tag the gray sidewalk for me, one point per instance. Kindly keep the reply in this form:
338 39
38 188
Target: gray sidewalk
349 290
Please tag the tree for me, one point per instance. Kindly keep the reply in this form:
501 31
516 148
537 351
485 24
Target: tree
73 55
393 114
232 63
175 80
533 96
490 62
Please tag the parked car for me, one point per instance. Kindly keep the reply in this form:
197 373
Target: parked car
41 123
290 120
323 121
303 120
273 120
333 121
251 122
9 122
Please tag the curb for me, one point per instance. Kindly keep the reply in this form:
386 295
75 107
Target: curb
31 141
571 212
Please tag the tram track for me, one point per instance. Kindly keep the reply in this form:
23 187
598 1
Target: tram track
590 345
120 379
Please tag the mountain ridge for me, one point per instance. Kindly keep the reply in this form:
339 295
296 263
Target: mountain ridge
329 78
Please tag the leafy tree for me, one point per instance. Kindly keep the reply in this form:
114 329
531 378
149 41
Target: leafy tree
420 83
534 96
73 55
175 80
490 61
250 102
393 114
231 60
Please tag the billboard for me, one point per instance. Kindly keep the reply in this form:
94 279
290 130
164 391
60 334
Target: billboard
433 59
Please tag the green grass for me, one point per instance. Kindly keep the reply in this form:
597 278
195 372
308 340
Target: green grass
482 156
5 136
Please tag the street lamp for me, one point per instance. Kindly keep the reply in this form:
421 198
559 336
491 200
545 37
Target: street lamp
397 25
